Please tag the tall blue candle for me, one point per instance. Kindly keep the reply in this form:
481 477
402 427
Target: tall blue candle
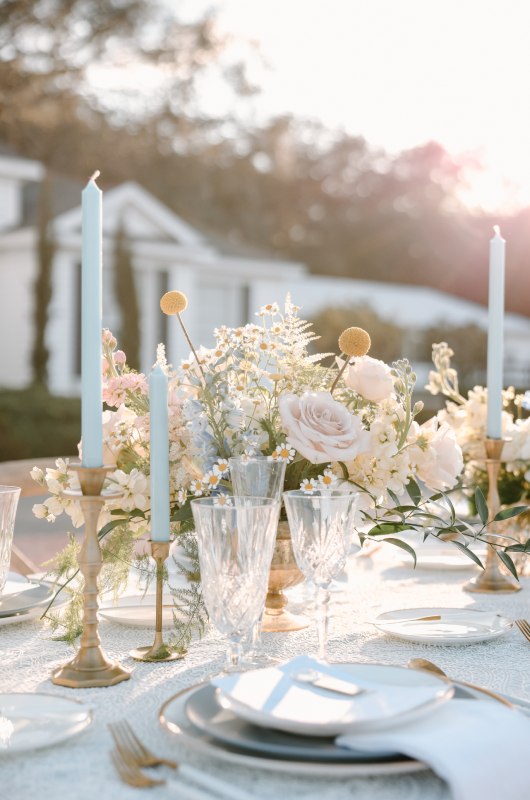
159 455
91 393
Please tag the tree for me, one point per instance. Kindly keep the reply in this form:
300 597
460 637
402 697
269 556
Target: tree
386 337
125 288
42 287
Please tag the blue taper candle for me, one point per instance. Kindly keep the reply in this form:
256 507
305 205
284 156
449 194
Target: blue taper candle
91 392
159 455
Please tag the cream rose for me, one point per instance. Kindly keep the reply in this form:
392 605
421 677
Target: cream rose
371 378
320 428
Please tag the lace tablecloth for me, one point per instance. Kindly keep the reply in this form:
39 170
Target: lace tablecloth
81 767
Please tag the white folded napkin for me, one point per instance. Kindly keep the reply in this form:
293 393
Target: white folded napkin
277 700
481 749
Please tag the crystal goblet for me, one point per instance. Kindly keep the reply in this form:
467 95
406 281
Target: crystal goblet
9 496
322 526
235 538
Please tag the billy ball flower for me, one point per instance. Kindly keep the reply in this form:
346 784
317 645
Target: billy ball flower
173 303
354 342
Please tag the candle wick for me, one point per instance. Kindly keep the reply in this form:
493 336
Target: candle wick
497 230
96 175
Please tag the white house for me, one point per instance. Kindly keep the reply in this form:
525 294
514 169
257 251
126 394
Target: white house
167 253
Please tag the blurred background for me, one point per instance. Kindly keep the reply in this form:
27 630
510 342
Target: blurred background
354 154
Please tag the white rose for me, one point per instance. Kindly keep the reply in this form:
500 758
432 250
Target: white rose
440 461
320 428
371 378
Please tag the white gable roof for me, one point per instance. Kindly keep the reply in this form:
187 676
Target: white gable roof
142 216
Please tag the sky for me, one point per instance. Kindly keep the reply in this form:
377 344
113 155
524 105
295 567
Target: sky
399 73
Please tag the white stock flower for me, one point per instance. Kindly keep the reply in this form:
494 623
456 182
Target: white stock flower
371 378
436 454
320 428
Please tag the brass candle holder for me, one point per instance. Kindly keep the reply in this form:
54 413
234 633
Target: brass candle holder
491 579
90 667
158 651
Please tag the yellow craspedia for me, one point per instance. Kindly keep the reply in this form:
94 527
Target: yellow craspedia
354 342
173 303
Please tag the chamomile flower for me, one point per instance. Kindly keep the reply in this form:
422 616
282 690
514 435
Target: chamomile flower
283 452
328 479
221 468
309 485
223 500
196 488
211 479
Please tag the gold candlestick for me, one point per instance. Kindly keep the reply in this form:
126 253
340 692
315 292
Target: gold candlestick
158 651
90 667
491 579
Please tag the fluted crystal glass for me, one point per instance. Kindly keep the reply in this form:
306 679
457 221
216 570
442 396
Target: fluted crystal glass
257 476
322 526
9 496
235 538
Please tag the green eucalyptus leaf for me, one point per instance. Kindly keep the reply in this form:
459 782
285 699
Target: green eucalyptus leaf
508 513
482 506
414 491
403 546
384 528
508 563
469 553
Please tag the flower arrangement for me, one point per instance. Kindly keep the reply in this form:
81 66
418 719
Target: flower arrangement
466 416
349 423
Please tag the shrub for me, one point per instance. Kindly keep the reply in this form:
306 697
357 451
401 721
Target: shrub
35 424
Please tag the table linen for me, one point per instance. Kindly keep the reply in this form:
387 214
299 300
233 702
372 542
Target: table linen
82 766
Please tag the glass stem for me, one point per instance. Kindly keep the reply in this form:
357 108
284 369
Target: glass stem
234 655
322 622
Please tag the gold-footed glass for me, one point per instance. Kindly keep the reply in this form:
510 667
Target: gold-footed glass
158 652
491 579
90 667
284 574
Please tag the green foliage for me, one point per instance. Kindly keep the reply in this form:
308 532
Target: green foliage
34 424
42 291
127 297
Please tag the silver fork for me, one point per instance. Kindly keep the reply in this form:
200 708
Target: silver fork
524 627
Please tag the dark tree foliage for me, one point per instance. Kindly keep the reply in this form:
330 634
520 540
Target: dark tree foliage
42 288
126 295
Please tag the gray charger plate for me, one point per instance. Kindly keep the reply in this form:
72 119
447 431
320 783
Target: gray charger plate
254 747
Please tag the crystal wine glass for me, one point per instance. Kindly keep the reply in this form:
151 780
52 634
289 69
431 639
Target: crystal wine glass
236 538
322 525
257 476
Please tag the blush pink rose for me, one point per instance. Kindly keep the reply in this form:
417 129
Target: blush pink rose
371 378
320 428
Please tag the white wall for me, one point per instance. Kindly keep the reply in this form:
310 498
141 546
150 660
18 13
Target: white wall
16 311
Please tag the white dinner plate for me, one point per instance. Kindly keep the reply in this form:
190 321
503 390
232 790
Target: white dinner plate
137 611
273 698
174 719
456 626
32 721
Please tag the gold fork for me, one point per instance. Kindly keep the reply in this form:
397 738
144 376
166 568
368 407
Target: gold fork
524 627
130 772
131 748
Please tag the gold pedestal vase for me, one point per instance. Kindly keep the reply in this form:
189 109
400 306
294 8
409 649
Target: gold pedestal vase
284 574
90 667
492 579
